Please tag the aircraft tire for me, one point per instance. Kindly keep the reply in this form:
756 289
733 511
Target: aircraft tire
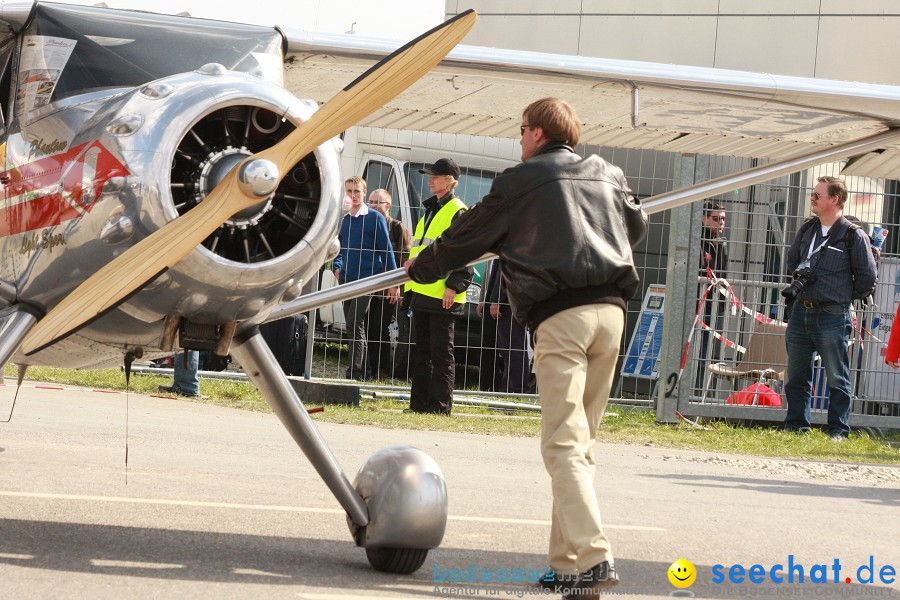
402 561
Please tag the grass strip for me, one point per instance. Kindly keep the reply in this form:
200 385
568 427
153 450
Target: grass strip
621 425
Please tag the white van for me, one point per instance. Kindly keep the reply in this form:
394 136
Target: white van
391 160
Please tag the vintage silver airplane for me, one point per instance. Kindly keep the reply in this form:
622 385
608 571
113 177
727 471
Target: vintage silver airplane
161 182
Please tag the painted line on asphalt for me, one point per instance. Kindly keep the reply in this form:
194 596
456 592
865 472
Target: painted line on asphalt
11 556
547 523
161 502
279 508
133 564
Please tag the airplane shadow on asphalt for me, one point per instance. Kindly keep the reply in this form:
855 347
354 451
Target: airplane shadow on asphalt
877 495
217 557
315 563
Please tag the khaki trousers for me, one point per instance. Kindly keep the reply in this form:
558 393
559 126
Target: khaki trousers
575 358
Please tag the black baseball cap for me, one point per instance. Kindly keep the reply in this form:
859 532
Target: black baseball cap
444 166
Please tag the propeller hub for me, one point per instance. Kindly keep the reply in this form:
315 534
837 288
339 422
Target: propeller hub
258 178
218 165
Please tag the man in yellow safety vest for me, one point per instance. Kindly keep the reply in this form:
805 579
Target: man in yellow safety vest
436 305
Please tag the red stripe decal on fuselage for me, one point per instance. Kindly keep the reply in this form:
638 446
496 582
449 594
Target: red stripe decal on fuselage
56 188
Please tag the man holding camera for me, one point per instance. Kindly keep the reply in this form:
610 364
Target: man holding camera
830 269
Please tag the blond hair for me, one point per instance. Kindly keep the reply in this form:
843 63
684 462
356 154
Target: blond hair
357 179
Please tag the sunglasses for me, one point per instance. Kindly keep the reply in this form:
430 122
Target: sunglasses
522 129
816 196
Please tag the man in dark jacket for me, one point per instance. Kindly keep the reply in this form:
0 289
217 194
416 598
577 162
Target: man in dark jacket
713 263
713 247
383 311
564 228
436 304
511 335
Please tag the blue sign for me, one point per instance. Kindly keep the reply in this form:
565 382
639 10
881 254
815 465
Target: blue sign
646 340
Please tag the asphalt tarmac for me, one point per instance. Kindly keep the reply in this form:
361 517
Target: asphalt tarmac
220 503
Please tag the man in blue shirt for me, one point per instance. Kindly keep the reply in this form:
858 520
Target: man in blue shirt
830 270
365 251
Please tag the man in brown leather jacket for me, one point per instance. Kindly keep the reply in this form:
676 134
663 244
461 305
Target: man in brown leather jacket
564 227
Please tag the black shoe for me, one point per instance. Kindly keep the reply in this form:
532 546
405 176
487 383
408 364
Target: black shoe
356 376
796 430
174 389
591 583
556 582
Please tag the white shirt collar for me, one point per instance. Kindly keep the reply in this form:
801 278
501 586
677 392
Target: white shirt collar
363 211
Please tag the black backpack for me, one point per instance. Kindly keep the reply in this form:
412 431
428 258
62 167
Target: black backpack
286 339
210 361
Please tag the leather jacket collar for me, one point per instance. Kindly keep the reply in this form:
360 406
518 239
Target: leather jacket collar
552 147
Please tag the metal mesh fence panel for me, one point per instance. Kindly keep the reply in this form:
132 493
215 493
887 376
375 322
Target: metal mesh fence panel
726 306
742 302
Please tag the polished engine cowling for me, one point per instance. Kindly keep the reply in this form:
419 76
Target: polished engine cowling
174 139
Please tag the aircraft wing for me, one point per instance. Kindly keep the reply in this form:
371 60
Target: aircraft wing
630 104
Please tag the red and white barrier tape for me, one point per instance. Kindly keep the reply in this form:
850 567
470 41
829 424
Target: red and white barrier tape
728 343
726 290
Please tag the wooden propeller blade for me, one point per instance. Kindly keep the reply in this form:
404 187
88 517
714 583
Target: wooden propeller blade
146 260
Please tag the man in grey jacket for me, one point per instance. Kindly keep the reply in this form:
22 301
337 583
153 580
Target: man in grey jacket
564 227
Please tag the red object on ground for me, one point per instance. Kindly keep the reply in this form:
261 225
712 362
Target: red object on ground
766 396
892 353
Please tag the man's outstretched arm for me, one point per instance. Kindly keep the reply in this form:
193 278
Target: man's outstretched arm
480 229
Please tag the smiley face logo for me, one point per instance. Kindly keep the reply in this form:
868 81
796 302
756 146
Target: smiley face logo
682 573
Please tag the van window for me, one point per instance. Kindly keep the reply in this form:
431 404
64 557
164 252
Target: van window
474 184
380 176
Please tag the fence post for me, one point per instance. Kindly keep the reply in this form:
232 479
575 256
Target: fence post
681 277
311 286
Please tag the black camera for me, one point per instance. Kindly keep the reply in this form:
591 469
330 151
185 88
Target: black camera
803 277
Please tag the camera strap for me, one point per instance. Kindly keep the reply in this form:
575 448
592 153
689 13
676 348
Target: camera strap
829 239
813 250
